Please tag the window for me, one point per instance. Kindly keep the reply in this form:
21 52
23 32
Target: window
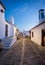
2 10
42 15
32 34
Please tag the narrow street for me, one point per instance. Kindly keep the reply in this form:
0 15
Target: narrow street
24 52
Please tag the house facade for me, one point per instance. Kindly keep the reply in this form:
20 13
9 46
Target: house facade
7 29
38 32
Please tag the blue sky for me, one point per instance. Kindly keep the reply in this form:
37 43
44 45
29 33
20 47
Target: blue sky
25 12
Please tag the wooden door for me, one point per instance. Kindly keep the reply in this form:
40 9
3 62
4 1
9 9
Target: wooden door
43 37
44 40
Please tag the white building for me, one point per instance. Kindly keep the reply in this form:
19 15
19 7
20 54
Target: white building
26 33
38 32
6 29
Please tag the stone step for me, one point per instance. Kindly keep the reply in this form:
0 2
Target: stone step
8 42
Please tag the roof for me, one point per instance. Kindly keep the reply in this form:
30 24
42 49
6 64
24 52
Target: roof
38 25
10 23
2 5
41 10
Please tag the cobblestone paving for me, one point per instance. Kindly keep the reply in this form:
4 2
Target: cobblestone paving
2 53
24 52
32 57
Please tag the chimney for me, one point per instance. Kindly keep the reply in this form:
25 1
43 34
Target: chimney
41 15
12 20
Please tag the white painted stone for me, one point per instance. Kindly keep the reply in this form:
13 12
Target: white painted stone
37 32
11 28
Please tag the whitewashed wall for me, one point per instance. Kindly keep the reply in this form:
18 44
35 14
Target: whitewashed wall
37 34
11 30
8 28
12 27
2 23
14 31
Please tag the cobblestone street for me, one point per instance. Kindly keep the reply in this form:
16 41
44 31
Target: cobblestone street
24 52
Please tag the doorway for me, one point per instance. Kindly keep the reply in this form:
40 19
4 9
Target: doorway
43 37
6 30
